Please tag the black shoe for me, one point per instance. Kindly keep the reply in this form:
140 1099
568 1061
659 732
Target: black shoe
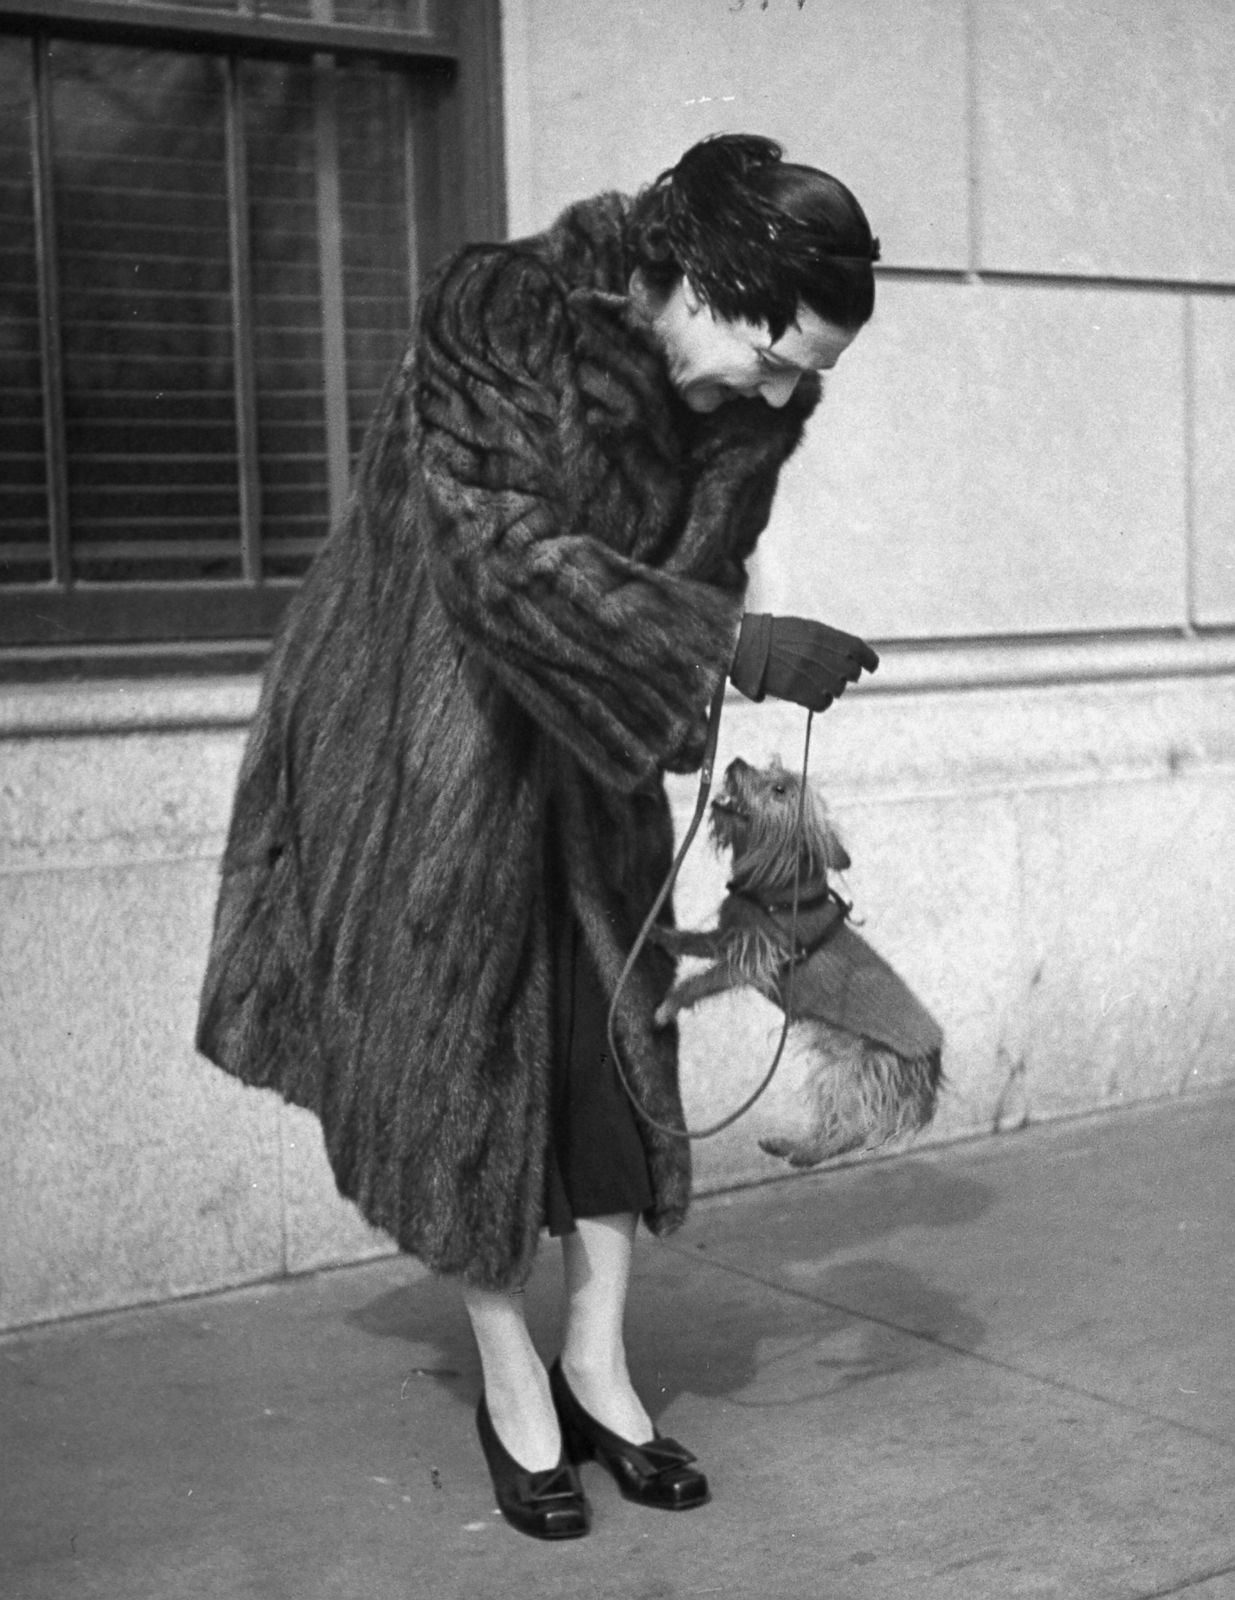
655 1474
546 1505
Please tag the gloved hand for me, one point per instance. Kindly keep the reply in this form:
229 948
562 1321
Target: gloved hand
796 659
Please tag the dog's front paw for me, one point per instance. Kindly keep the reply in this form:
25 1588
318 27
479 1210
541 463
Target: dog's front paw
665 1013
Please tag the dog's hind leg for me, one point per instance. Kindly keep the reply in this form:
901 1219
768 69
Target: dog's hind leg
859 1096
835 1111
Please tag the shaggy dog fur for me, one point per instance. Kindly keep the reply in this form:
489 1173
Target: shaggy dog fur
877 1053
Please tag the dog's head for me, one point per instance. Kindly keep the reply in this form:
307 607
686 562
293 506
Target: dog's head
773 829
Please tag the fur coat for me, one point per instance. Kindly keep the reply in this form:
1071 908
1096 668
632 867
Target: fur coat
513 633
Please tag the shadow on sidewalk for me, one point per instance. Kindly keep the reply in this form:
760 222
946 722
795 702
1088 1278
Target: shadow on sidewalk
725 1317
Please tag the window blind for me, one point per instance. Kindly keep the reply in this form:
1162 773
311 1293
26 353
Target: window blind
208 260
24 527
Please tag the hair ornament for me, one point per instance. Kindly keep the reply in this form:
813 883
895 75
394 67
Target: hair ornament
756 236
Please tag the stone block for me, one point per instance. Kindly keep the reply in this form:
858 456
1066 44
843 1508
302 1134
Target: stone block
603 96
132 1170
95 799
994 459
321 1229
1104 137
1213 331
1130 933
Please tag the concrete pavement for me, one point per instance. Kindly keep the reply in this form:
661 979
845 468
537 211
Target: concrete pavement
995 1369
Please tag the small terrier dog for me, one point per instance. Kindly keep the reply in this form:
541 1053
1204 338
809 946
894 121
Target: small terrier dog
877 1052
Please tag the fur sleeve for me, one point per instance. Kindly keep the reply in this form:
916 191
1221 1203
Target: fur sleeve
616 659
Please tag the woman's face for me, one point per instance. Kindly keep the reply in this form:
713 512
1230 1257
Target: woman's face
712 360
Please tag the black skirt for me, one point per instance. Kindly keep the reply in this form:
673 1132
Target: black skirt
595 1165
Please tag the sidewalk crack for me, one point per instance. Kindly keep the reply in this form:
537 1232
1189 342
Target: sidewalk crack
1185 1584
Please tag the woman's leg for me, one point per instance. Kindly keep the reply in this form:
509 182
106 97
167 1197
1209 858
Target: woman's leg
516 1383
597 1259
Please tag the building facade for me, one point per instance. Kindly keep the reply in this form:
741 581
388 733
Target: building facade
1020 486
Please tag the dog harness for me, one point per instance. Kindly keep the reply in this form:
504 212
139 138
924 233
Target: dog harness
819 918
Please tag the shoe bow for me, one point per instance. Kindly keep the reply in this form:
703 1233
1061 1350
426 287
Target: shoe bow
657 1458
554 1483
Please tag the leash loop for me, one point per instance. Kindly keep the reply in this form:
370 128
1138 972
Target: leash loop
705 785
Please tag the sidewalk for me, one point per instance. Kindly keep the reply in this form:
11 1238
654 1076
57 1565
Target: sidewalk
997 1369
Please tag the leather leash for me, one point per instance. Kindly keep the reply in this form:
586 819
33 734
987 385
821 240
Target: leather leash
705 785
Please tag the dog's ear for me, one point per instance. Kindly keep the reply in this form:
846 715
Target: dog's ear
827 846
836 857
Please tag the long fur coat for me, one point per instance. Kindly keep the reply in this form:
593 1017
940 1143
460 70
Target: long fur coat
514 632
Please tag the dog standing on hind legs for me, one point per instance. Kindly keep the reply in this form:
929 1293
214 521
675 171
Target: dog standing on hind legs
876 1052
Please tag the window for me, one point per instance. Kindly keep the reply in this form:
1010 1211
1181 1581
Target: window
212 227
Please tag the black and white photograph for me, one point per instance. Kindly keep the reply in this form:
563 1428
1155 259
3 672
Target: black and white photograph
617 799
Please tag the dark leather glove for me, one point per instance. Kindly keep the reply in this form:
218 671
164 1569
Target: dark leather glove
793 658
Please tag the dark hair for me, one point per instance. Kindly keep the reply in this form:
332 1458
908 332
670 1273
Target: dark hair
756 235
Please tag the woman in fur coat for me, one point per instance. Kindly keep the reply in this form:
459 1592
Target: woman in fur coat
451 821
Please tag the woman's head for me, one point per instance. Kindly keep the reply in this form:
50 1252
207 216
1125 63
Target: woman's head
756 237
752 271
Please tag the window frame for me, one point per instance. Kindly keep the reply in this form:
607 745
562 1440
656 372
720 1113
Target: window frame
85 629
